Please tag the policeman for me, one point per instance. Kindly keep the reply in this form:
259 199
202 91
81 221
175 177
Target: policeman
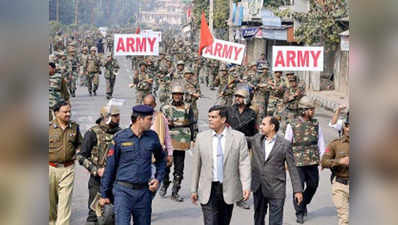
94 150
128 170
64 139
181 124
337 158
308 146
111 69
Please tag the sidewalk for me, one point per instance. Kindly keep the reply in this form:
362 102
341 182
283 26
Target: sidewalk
329 100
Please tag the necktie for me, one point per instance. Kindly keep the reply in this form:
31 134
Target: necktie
220 159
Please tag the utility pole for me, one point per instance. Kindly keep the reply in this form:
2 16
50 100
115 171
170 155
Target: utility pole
230 22
76 12
57 11
211 16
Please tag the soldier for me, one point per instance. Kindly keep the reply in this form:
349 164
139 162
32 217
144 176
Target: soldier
228 90
93 68
181 120
94 149
164 86
127 179
61 64
64 141
72 74
111 70
109 42
59 44
291 97
261 92
221 79
179 73
213 73
58 90
308 146
192 94
337 158
83 71
277 87
143 83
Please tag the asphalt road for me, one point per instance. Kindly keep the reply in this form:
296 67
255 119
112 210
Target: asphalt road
85 110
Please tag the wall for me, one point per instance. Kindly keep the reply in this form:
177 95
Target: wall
341 71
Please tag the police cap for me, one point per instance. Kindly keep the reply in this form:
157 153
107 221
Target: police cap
143 110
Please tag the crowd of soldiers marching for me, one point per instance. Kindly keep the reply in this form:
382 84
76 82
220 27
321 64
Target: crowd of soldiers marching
251 92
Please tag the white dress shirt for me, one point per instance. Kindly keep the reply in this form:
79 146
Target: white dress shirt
215 144
268 145
321 140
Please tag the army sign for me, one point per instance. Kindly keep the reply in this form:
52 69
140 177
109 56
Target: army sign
295 58
229 52
136 44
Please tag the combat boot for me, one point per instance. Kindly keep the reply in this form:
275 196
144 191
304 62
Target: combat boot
176 187
95 93
90 93
163 190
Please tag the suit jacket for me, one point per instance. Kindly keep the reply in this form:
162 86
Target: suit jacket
271 173
236 167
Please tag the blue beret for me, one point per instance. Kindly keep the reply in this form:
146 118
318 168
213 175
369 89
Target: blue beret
143 109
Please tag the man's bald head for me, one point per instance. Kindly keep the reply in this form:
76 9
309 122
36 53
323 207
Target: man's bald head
150 100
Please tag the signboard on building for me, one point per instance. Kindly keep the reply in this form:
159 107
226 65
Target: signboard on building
297 58
136 44
226 51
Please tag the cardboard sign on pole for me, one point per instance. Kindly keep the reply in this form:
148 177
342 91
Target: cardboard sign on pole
297 58
226 51
136 44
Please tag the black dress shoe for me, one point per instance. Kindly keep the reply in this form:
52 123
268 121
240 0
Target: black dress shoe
300 218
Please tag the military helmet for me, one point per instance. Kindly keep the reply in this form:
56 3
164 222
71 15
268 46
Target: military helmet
242 92
108 217
71 49
223 67
168 58
188 70
289 73
51 58
142 63
306 103
293 78
85 49
107 110
177 89
180 62
93 49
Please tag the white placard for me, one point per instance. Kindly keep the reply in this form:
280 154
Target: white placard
136 44
229 52
297 58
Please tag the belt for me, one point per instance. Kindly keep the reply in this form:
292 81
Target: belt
60 165
342 180
133 185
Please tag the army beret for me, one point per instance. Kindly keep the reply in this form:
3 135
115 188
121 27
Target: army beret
143 109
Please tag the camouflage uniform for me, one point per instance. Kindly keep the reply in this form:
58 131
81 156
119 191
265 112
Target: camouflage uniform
261 93
57 92
111 68
277 88
213 73
143 86
192 88
93 68
181 119
83 71
178 75
72 73
305 142
164 86
92 156
291 98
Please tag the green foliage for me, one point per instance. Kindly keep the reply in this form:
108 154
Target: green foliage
319 25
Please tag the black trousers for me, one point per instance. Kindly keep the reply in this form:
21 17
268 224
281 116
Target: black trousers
309 175
216 211
261 204
178 162
93 189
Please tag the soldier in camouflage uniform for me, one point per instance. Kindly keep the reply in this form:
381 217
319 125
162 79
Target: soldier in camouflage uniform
181 119
83 71
178 75
111 69
61 63
94 151
164 85
72 73
109 42
143 83
192 94
291 98
308 145
214 64
59 45
261 92
58 90
93 67
276 86
229 88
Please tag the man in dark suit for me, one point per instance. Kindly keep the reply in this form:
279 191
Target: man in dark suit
270 153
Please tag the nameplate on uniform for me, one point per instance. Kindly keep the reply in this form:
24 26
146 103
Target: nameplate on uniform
127 144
